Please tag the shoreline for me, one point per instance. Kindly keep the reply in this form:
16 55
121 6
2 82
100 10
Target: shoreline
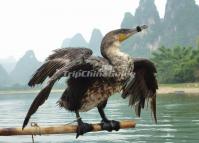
161 90
178 90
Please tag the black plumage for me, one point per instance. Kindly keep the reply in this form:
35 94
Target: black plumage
134 77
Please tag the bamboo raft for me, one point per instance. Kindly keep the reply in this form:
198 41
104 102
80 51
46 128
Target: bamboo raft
59 129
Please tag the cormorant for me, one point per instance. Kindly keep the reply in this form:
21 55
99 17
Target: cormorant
92 80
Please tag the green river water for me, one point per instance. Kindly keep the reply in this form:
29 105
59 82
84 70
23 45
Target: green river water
178 120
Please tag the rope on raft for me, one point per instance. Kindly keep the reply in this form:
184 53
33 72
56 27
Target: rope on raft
33 124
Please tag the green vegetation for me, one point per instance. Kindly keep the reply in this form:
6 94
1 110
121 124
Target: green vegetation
177 65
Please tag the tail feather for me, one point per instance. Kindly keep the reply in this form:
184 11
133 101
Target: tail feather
153 108
38 101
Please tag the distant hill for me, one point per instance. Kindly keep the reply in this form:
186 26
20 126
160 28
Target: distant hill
8 63
79 41
24 68
139 44
65 43
95 41
76 41
181 23
3 77
179 26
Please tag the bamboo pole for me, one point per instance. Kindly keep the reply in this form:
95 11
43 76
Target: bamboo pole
59 129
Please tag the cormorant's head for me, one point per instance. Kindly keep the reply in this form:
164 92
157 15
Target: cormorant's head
115 37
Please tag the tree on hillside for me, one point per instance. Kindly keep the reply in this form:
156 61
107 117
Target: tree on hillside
176 65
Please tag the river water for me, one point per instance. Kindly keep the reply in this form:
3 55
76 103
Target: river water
178 120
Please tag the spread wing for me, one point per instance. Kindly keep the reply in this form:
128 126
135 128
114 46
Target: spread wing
142 86
75 65
60 58
56 65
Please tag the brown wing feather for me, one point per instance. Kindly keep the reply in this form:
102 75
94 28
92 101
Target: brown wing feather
59 59
44 93
46 70
70 53
142 87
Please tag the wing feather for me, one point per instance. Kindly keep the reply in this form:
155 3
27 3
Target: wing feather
44 93
46 70
55 66
70 53
75 65
59 59
142 87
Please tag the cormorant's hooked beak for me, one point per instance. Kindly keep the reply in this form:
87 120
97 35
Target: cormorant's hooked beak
129 32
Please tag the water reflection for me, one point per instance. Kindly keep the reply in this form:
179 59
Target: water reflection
178 120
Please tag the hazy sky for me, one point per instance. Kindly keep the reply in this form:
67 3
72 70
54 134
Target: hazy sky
42 25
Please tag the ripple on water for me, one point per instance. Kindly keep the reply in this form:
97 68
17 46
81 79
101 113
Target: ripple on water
177 120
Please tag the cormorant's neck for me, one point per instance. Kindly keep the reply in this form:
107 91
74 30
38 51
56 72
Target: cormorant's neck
113 54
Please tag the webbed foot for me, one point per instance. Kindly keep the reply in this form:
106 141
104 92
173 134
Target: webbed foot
110 125
83 128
